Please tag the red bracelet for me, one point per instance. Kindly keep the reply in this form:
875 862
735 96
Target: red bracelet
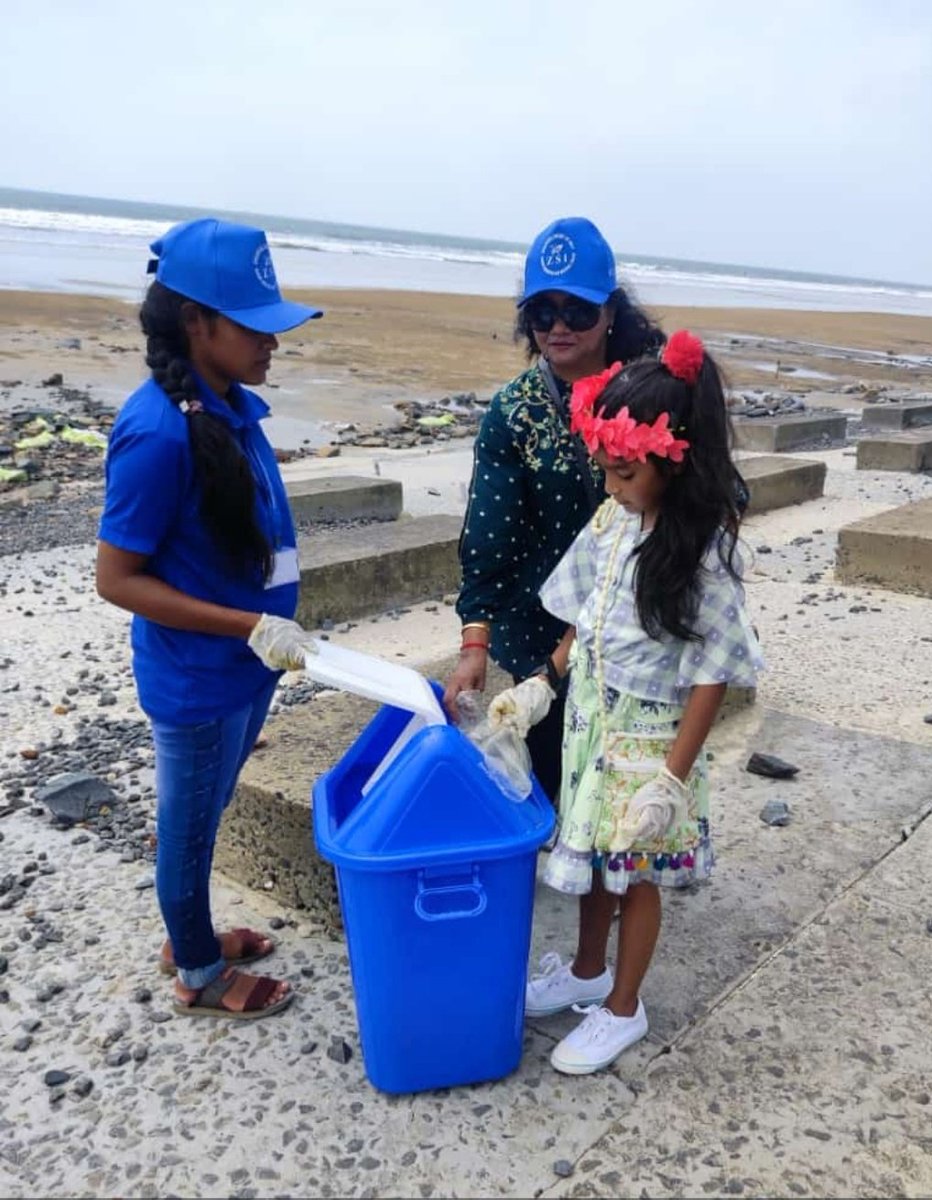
474 646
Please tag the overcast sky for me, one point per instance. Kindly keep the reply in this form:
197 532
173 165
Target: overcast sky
786 133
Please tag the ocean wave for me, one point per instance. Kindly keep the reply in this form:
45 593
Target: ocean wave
95 225
32 231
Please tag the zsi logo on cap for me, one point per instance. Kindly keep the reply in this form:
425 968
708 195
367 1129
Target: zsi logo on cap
557 254
265 271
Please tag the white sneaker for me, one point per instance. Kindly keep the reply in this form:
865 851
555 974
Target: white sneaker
598 1040
557 988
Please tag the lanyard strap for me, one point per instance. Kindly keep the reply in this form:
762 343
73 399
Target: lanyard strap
579 451
265 485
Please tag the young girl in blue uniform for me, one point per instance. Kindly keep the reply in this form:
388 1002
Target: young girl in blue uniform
196 540
651 590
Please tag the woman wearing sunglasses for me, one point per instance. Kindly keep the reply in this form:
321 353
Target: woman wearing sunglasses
534 486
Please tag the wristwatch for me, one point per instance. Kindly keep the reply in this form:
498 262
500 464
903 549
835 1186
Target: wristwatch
550 673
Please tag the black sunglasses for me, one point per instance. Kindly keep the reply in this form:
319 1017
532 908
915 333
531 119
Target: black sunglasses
576 315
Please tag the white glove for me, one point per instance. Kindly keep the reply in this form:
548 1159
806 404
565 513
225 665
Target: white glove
280 643
654 806
521 706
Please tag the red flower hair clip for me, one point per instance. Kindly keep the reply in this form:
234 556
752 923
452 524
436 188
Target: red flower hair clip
683 355
620 436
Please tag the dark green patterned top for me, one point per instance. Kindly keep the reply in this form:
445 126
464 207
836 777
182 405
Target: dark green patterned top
527 503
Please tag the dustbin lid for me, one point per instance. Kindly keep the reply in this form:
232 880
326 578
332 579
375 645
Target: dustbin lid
435 804
375 678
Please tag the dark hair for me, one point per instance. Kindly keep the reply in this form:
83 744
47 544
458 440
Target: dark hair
701 497
223 476
633 332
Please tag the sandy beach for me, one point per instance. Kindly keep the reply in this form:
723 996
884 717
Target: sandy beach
372 349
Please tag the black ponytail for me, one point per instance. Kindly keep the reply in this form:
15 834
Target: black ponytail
701 499
224 477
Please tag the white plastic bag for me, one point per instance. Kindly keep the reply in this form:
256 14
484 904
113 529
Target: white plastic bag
506 755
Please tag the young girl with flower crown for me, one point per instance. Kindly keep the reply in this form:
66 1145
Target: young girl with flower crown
651 589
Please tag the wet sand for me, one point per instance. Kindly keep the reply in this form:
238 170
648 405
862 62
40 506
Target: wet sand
373 348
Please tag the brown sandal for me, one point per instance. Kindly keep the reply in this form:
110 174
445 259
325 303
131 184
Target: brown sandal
251 947
208 1000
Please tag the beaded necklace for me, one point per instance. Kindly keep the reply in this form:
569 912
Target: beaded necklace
600 523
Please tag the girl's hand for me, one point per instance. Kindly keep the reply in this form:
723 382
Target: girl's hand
653 807
281 644
522 706
468 676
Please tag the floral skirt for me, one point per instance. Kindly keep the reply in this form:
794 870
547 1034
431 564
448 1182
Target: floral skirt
602 770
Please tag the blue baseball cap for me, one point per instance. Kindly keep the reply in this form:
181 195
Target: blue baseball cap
570 256
229 268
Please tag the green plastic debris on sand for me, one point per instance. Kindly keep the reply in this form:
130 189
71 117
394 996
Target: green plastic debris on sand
84 437
36 442
36 425
10 475
434 422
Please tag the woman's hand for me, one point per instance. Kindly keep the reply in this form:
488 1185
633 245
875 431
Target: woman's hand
468 676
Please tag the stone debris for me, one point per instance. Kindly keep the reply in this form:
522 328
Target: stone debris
775 812
420 423
75 796
339 1050
770 766
765 404
52 444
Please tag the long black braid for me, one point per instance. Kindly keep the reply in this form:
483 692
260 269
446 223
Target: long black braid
223 476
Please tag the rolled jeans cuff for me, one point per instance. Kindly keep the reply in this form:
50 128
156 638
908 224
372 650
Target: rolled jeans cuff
199 977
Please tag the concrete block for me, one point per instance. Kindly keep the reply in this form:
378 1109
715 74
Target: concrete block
909 414
777 482
347 573
345 498
266 840
907 451
891 550
797 431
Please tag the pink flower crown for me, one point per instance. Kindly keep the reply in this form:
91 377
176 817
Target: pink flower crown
621 436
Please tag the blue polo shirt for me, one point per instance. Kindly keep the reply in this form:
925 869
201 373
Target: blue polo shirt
152 507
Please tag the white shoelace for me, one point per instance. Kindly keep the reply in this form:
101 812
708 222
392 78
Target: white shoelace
550 966
598 1021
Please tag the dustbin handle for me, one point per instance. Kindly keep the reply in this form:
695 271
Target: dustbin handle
474 891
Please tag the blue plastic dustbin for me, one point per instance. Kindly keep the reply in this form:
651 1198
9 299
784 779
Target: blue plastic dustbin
435 869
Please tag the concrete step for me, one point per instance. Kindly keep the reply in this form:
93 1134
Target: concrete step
910 450
348 573
266 840
344 498
776 482
796 431
908 414
890 550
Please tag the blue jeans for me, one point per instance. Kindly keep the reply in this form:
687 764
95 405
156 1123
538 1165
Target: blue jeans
196 768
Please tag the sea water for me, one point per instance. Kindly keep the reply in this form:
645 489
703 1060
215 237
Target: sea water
52 242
